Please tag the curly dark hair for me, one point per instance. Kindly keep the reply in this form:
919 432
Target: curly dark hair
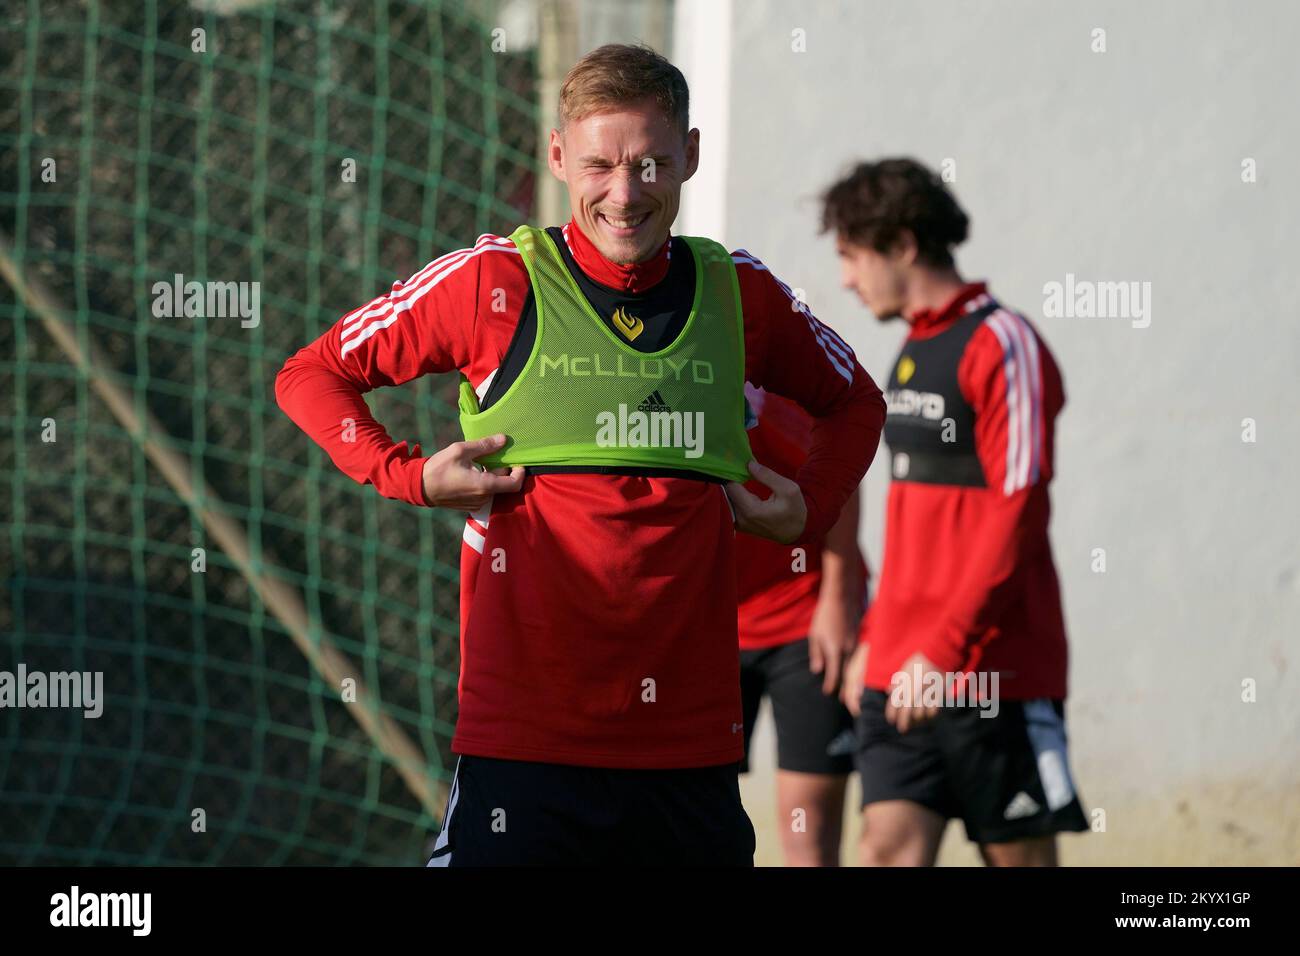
877 202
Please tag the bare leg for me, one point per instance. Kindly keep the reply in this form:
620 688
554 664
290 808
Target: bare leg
1036 851
900 833
810 808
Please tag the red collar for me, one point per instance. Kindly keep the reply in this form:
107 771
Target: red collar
929 321
634 277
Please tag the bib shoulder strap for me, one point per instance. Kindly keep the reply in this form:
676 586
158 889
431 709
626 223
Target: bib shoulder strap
709 250
526 237
541 258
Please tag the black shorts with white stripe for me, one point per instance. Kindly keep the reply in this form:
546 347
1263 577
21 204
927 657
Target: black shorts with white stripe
1004 773
519 813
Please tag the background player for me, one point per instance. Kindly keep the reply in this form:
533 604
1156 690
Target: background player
967 582
799 615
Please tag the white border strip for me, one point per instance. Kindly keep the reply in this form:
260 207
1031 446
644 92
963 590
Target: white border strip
702 51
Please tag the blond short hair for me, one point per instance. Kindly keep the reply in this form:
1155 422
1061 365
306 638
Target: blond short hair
619 74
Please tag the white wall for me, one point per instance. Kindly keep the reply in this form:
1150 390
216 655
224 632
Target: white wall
1122 165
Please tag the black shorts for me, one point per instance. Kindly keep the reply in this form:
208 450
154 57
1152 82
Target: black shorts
518 813
1006 777
814 731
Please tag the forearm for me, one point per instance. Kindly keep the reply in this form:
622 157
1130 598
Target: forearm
334 414
843 577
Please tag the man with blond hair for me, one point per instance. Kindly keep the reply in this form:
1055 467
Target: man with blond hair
602 370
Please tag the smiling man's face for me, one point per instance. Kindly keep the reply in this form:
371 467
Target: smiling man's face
624 170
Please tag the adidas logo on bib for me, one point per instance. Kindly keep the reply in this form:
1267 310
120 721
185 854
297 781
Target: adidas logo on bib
652 424
654 402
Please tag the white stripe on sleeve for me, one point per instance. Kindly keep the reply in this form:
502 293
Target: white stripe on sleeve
836 349
1011 379
385 313
1024 398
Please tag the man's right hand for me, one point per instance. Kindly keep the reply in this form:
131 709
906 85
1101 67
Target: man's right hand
854 670
453 480
781 517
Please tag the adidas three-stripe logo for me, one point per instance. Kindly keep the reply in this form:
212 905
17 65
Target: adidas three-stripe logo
1021 805
654 402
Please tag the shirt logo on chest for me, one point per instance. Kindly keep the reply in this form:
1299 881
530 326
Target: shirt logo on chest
629 325
913 404
906 368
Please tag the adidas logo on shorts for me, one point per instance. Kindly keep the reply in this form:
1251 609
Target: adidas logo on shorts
1021 805
843 744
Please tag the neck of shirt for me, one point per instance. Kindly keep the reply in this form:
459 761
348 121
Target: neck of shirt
927 322
630 277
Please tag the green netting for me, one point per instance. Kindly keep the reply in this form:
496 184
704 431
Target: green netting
225 165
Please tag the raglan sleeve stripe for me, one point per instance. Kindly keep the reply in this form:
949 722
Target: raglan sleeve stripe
836 349
386 310
791 353
1023 396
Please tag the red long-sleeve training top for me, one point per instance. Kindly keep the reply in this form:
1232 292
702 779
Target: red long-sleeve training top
967 576
607 636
